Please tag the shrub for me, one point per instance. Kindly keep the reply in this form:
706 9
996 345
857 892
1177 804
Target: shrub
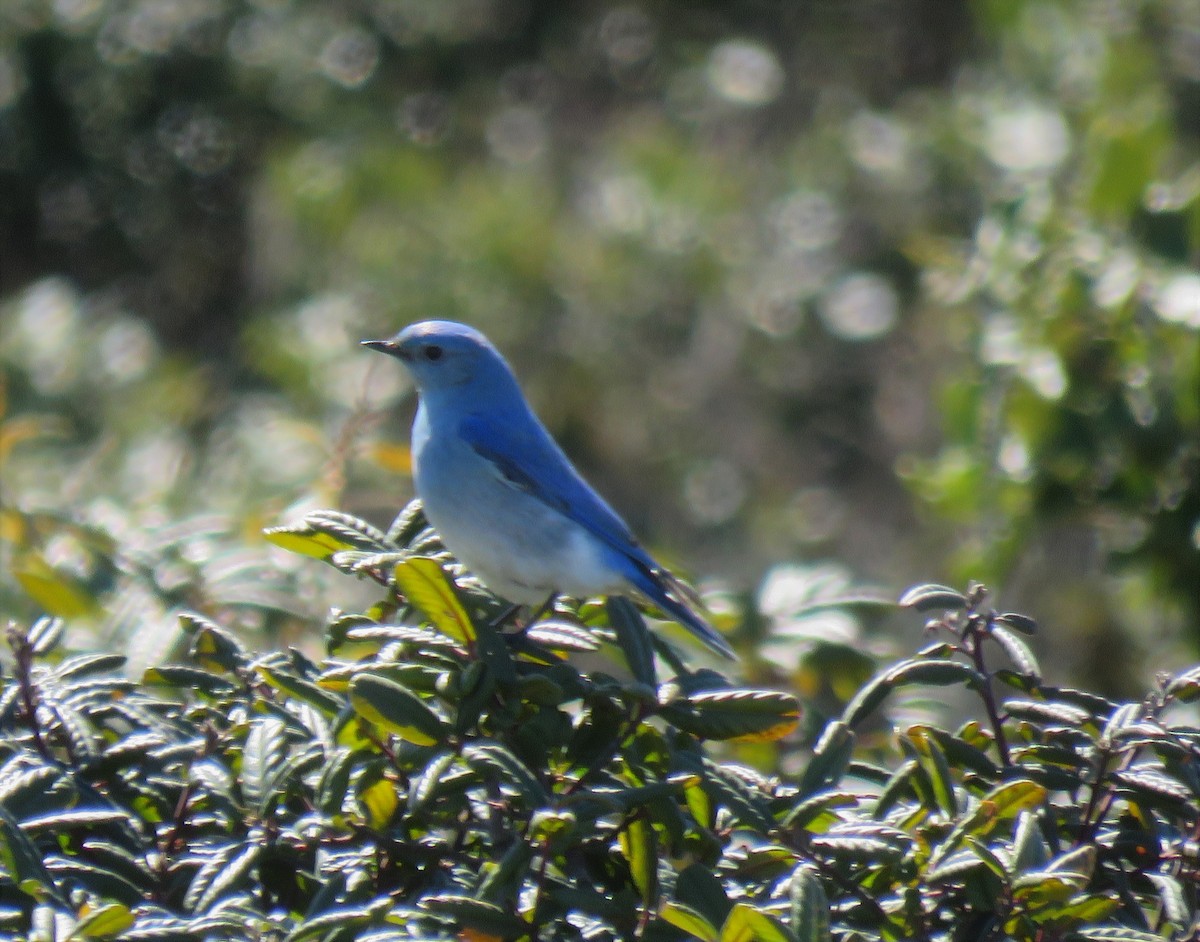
432 777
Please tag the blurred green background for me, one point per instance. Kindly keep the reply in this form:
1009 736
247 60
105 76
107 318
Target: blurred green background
820 295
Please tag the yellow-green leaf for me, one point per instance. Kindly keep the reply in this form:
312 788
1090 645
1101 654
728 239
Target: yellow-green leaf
422 581
396 709
305 541
104 923
747 924
638 845
688 920
379 802
55 591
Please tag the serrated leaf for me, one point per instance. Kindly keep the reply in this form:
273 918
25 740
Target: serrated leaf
1018 651
932 673
633 637
344 919
1170 891
104 922
1149 783
396 709
213 646
746 803
45 634
930 596
559 635
262 757
300 689
931 758
809 905
423 582
688 920
639 846
1041 712
482 755
830 757
178 677
305 541
1115 934
477 915
815 814
1017 622
737 715
228 868
747 924
324 532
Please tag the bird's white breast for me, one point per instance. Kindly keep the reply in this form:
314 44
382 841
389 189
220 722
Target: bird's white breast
520 547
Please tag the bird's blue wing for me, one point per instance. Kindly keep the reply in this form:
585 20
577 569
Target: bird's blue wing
527 457
530 460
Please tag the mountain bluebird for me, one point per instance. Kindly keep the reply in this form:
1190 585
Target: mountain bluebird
502 495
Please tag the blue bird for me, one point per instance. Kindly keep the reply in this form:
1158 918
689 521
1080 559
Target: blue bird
504 498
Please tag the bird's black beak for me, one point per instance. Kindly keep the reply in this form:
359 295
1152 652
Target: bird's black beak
386 346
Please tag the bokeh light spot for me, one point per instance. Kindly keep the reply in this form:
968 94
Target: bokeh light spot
745 73
862 306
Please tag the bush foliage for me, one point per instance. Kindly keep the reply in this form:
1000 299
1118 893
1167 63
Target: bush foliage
434 777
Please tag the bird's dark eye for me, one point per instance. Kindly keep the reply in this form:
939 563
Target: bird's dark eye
433 353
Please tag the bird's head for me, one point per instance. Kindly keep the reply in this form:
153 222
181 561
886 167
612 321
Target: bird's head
444 354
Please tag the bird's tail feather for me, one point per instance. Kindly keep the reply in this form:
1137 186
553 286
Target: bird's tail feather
681 602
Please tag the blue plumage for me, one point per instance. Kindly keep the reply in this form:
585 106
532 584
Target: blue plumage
504 497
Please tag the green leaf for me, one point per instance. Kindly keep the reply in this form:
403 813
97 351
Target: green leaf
633 637
1018 652
924 598
830 757
1115 934
815 814
747 924
396 709
185 678
104 922
58 592
698 888
724 786
492 756
640 845
227 869
931 758
341 923
300 689
408 524
45 634
1022 623
213 646
325 532
488 919
422 581
22 862
1040 712
263 756
810 906
561 635
379 802
1174 904
738 715
688 920
933 673
1002 803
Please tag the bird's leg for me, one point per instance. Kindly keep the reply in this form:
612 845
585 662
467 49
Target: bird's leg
509 610
546 607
